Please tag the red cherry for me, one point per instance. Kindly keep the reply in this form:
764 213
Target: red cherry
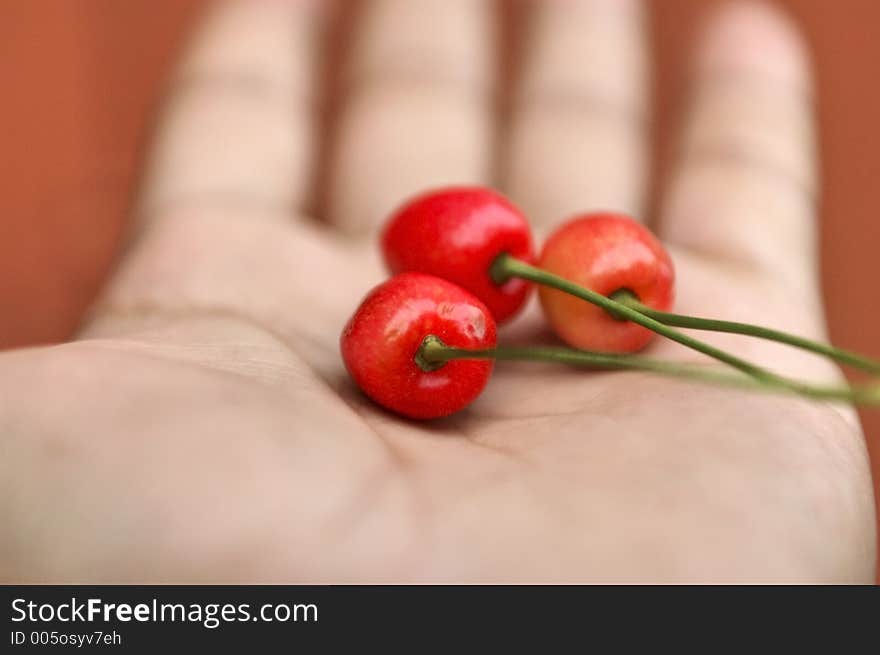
456 234
605 252
380 343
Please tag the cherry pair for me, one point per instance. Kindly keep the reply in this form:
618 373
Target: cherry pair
422 345
475 238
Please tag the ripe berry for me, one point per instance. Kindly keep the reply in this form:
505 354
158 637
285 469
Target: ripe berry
380 343
607 253
456 234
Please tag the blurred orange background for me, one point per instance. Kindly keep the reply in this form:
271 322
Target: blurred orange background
82 80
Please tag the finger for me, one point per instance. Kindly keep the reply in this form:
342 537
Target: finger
743 191
417 107
238 125
578 123
233 149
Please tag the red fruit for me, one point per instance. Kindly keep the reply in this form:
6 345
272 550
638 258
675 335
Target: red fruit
456 234
605 252
381 340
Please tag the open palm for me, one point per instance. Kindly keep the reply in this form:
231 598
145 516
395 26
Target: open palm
203 429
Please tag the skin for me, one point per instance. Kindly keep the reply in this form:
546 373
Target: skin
202 428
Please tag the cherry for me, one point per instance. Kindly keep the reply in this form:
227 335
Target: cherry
457 233
381 343
609 254
424 348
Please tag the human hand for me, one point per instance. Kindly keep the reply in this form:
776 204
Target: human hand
202 428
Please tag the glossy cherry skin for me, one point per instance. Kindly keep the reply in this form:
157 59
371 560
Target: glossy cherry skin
605 252
380 342
456 233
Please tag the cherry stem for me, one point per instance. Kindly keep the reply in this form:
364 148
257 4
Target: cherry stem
697 323
505 267
433 354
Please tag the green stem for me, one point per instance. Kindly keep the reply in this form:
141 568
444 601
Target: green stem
505 267
433 354
679 320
